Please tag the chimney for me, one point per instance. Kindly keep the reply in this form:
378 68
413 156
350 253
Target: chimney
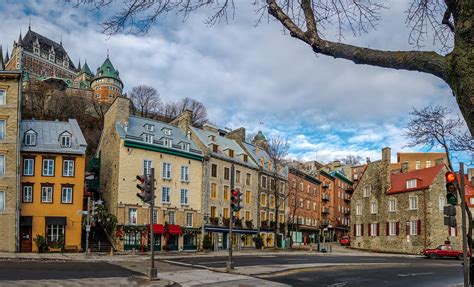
386 154
237 135
404 167
183 120
209 127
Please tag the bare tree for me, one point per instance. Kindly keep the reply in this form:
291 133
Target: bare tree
146 100
306 21
37 95
199 117
351 160
435 126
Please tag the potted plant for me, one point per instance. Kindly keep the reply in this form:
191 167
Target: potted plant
214 220
56 245
226 221
249 224
41 244
238 222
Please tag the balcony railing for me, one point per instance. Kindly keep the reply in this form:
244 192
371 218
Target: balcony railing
325 197
325 210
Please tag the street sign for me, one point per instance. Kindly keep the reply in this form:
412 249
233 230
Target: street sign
83 212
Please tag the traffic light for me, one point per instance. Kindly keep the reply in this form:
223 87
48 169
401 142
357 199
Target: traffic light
451 188
235 200
450 215
145 188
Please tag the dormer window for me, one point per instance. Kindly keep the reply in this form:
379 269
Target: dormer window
148 138
262 162
212 137
65 139
257 150
231 153
215 148
167 131
246 158
186 146
411 183
30 138
149 128
167 142
51 57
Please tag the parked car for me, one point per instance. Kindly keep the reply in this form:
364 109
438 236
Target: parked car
345 241
444 250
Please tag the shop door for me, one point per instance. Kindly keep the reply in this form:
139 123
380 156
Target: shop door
26 240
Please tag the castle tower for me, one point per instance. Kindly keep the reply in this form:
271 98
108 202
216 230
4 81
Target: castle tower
260 140
106 85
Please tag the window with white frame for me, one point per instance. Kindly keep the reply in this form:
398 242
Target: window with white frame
185 173
308 205
264 182
48 167
171 217
314 206
452 231
3 97
301 203
27 193
68 167
442 203
367 191
165 195
2 165
428 163
65 140
413 227
30 138
47 194
132 216
471 200
149 127
184 196
411 183
413 202
417 164
167 131
358 209
167 142
155 215
28 166
373 207
392 205
392 228
185 146
2 129
358 230
66 194
147 165
189 219
148 138
373 229
54 232
166 170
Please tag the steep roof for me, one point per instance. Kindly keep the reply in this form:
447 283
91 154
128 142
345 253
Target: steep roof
424 177
107 70
260 136
341 176
86 69
47 136
262 154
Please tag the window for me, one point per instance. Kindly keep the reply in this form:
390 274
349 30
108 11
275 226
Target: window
308 205
167 131
237 176
149 127
471 200
301 203
452 231
166 170
358 231
367 191
167 142
263 199
246 158
47 194
66 140
165 195
185 173
225 212
148 138
373 207
359 209
214 170
184 196
247 197
215 148
411 183
417 164
263 216
30 138
27 193
413 202
147 165
314 206
301 186
231 153
28 166
2 129
2 164
213 211
155 216
373 229
226 192
189 219
66 195
226 173
186 146
428 163
272 201
68 167
248 179
54 233
392 228
392 205
264 182
171 217
247 215
413 227
442 202
213 190
48 167
3 97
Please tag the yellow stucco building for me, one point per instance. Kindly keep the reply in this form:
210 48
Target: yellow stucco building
52 184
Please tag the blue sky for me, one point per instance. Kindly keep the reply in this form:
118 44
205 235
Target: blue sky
245 75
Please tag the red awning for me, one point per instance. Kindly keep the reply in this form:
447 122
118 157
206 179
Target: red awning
174 229
158 228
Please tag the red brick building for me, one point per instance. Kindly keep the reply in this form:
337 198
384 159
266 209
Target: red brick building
342 198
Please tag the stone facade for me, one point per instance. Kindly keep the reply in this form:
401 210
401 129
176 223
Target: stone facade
10 98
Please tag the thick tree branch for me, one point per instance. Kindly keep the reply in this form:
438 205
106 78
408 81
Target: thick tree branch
447 15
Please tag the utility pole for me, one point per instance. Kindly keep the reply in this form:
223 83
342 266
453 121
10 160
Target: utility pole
88 225
463 226
229 266
153 272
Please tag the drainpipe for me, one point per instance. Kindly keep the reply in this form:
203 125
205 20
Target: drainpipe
18 164
425 220
204 200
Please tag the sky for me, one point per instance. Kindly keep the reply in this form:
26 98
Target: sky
253 76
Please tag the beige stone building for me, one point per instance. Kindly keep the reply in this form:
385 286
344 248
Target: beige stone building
409 161
400 212
220 152
131 146
10 99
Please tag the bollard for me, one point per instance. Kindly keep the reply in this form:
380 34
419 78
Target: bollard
133 252
111 253
89 251
330 248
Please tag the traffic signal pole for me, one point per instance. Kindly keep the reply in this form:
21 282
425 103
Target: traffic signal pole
463 226
229 265
153 272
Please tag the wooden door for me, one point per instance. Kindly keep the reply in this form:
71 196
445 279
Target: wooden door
26 240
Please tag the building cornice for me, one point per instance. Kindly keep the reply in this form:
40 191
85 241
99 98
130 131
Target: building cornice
145 146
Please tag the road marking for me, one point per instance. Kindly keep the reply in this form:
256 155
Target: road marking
297 259
267 256
214 262
339 284
415 274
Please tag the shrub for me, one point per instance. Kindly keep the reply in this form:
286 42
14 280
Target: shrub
207 242
41 244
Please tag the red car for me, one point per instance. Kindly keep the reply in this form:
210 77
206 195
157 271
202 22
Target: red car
345 241
444 250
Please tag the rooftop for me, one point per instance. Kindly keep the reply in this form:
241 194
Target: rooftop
424 177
